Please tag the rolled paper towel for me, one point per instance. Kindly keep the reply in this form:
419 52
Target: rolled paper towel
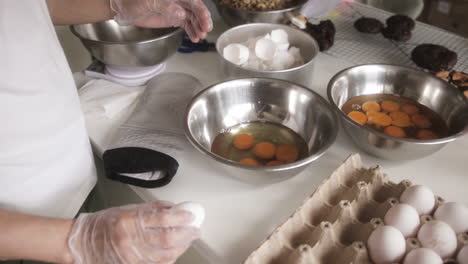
147 148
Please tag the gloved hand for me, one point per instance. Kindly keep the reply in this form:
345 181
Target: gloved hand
150 233
192 15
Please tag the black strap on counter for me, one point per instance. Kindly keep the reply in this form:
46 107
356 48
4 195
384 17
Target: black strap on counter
139 160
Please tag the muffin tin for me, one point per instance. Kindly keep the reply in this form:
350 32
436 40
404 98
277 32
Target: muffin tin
334 223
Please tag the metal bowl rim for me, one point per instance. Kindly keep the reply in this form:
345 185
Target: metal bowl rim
401 140
292 8
285 167
313 41
72 29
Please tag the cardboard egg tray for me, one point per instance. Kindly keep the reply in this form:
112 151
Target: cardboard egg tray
333 224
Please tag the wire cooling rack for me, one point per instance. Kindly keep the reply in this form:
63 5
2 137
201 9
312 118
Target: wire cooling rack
361 48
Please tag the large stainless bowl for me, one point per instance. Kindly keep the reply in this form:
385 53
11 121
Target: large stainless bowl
236 16
297 38
233 102
420 86
128 45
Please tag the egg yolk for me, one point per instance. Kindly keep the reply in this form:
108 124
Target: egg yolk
275 163
251 162
400 119
358 117
390 106
371 106
243 141
379 119
426 134
264 150
410 109
421 121
287 153
395 131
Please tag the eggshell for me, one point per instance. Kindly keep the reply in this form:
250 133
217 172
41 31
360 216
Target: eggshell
420 197
196 209
404 218
455 215
265 49
439 237
386 245
422 256
280 38
236 53
462 257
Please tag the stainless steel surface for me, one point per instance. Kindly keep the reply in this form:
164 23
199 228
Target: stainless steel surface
128 45
297 38
422 87
229 103
236 16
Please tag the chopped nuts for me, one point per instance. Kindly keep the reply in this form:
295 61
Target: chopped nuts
258 5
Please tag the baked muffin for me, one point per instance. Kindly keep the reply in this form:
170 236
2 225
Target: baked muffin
401 22
434 57
368 25
323 33
397 33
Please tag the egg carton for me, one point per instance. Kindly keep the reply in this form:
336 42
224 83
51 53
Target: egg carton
333 224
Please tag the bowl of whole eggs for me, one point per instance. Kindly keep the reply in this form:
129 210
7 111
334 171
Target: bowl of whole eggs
260 130
238 12
397 113
267 50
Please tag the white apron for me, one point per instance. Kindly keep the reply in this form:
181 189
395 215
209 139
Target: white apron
46 163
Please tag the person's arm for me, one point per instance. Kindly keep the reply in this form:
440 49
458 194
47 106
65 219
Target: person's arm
155 232
192 15
67 12
34 238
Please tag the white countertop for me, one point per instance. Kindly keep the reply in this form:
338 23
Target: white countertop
240 216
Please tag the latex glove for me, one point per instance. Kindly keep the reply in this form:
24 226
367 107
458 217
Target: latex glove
150 233
192 15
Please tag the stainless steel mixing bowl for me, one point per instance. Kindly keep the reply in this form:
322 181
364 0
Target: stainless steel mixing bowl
118 45
235 16
297 38
420 86
229 103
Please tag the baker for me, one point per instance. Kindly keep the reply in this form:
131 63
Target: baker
46 163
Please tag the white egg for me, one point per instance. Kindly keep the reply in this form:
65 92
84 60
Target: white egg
462 257
454 214
265 49
422 256
280 38
420 197
296 53
196 209
438 236
386 245
404 218
236 53
283 60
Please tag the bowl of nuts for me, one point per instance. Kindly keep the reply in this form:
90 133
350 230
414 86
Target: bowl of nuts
238 12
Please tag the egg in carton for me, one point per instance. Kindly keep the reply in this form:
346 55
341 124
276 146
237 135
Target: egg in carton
334 223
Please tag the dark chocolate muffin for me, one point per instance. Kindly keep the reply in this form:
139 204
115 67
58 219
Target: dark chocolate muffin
323 33
397 34
368 25
434 57
401 22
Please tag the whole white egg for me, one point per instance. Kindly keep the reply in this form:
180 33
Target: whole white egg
386 245
420 197
462 257
196 209
404 218
422 256
454 214
439 237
